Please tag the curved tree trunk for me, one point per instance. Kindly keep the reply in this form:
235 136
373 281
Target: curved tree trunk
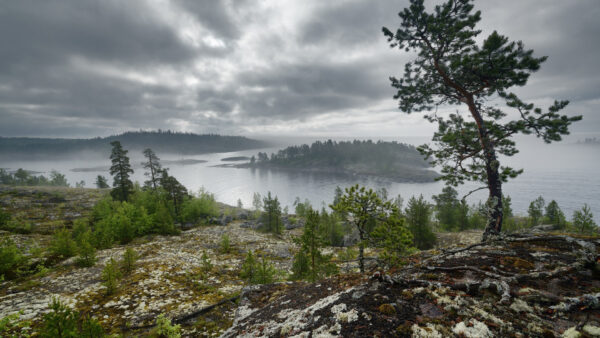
494 183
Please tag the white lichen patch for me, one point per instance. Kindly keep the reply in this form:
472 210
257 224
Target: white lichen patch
571 333
520 306
344 316
592 330
428 331
474 329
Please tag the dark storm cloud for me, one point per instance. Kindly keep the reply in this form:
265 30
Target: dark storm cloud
45 32
349 23
300 90
83 67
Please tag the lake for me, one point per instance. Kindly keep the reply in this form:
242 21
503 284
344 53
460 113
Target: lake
565 172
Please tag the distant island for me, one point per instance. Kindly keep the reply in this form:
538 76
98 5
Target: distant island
396 161
590 140
235 158
160 141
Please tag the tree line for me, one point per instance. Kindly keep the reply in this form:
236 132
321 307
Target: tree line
24 177
160 140
337 154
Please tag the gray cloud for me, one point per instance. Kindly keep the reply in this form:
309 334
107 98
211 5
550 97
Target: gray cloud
83 67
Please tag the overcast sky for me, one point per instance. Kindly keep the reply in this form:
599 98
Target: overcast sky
83 68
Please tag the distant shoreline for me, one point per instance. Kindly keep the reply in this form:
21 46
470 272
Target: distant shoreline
187 161
423 175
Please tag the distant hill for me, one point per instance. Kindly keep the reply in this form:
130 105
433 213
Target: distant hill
159 141
396 161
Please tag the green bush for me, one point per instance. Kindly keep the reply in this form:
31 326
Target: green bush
63 245
310 263
111 276
395 239
200 207
17 225
12 260
207 265
12 323
164 328
258 272
418 217
4 218
128 260
87 252
62 321
583 220
225 245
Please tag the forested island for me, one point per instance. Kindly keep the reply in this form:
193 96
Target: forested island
397 161
161 141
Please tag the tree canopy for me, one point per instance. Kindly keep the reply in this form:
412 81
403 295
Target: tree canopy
452 68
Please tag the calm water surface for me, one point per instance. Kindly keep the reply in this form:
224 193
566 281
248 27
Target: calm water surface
567 173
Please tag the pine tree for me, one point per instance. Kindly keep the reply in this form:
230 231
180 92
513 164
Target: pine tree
120 170
583 220
418 217
154 168
101 182
175 190
536 210
554 215
394 238
451 68
446 208
363 208
309 263
271 216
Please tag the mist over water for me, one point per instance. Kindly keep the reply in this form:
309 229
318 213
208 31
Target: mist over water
565 172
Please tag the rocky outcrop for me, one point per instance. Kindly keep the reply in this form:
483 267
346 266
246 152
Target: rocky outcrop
520 286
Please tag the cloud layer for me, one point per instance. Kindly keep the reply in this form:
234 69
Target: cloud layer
73 68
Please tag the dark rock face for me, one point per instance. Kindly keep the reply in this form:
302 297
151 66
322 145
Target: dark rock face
528 286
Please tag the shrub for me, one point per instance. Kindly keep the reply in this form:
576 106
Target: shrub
63 245
271 216
4 218
91 328
80 226
87 252
162 222
60 322
309 263
128 260
164 328
206 263
418 217
257 272
200 207
110 276
247 272
265 272
225 246
12 260
12 323
583 220
395 239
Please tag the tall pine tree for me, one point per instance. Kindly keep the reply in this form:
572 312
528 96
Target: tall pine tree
120 170
451 68
154 168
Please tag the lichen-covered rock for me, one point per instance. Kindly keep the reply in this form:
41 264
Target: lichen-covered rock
522 286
